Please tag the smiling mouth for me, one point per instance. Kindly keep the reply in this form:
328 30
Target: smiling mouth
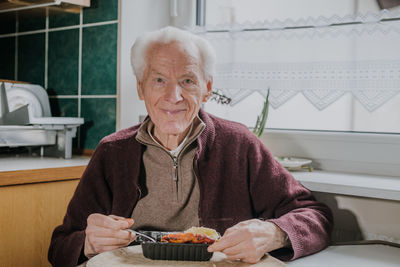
173 111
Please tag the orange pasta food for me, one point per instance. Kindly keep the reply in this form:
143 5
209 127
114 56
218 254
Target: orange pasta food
194 235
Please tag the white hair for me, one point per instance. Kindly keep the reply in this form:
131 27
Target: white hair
192 44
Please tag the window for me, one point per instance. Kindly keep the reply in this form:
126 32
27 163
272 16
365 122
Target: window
333 70
330 65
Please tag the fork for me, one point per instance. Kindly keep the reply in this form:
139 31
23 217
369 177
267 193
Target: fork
140 234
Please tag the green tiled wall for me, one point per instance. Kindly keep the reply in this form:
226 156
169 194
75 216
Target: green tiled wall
64 107
99 57
79 67
57 19
99 114
102 10
31 58
63 62
31 22
7 22
7 55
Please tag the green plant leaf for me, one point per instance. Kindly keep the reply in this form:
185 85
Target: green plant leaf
262 118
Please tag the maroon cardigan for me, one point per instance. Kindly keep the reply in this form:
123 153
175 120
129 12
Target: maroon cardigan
238 179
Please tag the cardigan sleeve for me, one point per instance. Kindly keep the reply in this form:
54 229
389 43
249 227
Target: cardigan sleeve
92 195
279 198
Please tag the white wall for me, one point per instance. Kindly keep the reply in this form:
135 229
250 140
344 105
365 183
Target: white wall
359 218
138 17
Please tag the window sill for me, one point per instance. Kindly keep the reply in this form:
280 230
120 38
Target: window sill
347 152
373 186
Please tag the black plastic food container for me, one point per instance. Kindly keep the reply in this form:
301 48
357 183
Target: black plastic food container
177 252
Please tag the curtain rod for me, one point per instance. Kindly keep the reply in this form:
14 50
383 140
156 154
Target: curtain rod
301 27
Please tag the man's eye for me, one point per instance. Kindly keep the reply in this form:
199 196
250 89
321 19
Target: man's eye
159 80
188 81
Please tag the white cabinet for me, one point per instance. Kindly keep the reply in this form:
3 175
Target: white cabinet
73 6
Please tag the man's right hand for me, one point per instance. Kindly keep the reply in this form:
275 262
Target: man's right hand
105 233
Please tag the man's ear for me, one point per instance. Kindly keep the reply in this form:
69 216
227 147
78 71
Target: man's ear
209 90
139 87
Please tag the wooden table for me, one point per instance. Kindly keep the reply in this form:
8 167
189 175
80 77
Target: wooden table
133 256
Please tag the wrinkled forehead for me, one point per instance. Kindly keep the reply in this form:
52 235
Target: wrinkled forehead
189 52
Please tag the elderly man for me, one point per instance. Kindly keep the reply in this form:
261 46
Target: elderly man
183 167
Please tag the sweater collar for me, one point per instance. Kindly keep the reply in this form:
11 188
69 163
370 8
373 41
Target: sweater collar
205 140
144 135
207 137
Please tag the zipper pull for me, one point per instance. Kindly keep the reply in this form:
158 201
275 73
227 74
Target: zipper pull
175 178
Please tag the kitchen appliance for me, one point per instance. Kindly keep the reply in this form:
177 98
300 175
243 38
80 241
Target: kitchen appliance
26 121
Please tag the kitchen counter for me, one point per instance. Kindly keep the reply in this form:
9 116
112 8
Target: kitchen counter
34 169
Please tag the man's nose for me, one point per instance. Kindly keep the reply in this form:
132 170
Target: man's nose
173 93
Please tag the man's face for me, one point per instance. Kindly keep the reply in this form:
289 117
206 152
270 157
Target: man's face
173 88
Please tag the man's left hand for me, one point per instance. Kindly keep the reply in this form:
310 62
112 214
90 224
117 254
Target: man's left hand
249 240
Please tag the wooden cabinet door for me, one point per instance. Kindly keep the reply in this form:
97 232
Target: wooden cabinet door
28 215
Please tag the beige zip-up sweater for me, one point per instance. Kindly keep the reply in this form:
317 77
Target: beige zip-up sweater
171 177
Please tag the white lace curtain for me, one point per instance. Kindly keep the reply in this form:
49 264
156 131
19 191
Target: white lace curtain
358 54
